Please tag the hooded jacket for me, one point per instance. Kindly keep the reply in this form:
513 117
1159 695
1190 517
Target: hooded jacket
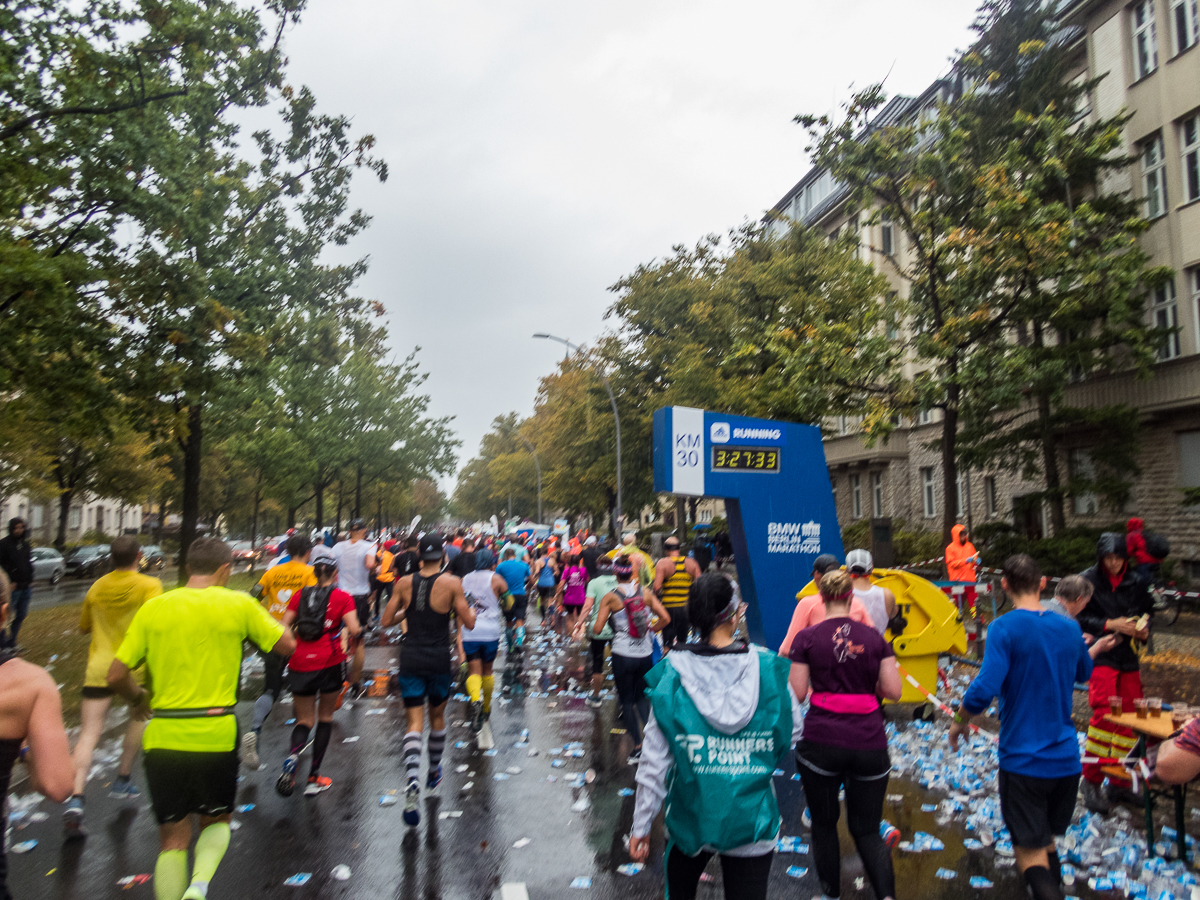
1135 542
723 684
16 558
1127 598
957 554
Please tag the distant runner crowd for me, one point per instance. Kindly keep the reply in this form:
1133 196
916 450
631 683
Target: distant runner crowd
708 716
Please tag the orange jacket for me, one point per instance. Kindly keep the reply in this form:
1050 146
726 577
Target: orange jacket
957 555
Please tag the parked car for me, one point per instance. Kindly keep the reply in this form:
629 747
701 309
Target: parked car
89 561
48 563
243 552
153 559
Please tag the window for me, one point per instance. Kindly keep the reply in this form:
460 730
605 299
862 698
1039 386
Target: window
877 494
1154 177
1193 278
959 492
1145 40
856 496
1185 22
927 492
74 518
1189 136
1189 459
924 417
843 424
706 515
37 516
1164 314
887 237
1083 469
989 495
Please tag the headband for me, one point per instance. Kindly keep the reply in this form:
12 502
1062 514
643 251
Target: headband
841 598
621 571
729 611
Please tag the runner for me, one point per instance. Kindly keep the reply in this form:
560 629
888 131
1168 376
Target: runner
572 592
848 665
1032 662
324 621
275 589
810 610
356 559
726 694
464 563
191 642
382 579
643 565
406 562
516 545
880 603
673 576
425 601
108 609
629 607
591 554
481 642
516 575
597 588
545 574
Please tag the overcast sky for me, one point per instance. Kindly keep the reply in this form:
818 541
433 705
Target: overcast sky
540 149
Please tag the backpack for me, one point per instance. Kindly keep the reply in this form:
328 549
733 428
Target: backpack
310 615
637 614
1158 546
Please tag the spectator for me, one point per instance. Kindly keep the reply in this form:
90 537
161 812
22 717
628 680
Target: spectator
1032 662
811 609
1145 564
1070 598
961 556
16 559
1179 758
1118 600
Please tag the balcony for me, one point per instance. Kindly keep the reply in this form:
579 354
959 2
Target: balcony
851 449
1173 385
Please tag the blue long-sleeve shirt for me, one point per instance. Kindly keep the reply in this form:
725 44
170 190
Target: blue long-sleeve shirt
1032 662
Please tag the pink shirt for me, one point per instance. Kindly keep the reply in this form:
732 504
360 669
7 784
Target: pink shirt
810 611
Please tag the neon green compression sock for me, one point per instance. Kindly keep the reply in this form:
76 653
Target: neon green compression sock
210 848
170 875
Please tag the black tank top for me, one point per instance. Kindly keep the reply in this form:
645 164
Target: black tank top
426 647
10 749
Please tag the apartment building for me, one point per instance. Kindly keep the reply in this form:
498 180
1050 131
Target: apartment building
110 517
1147 52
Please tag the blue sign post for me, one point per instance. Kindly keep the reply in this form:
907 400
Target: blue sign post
779 503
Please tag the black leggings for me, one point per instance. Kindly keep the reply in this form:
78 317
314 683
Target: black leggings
823 770
745 877
629 676
596 655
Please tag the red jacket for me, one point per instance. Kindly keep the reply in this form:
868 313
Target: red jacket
1135 542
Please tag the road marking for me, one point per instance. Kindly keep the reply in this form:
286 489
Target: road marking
514 890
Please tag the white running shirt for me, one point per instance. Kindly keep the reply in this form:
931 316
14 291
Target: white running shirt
478 588
353 576
876 606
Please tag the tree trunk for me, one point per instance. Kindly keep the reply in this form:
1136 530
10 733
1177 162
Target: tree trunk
950 460
64 510
692 501
319 492
291 516
681 517
190 507
254 519
1054 491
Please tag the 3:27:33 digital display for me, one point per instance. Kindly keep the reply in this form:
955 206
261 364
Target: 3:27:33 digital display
745 459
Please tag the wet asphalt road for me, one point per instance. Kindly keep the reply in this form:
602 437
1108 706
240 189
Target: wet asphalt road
463 847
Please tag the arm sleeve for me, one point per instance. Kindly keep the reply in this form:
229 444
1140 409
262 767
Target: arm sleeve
651 778
797 717
261 629
133 648
991 675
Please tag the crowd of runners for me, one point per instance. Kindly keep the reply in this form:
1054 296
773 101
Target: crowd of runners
708 715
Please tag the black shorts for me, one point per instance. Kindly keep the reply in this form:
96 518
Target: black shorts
1036 809
596 654
322 681
362 606
96 693
677 629
517 611
182 782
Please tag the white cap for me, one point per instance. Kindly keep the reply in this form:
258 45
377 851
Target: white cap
591 541
861 560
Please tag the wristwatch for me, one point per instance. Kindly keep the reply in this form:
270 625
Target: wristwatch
960 718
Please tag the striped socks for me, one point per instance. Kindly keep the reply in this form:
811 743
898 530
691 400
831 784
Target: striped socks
412 754
437 744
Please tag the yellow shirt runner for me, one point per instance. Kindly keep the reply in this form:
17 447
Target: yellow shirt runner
281 582
108 609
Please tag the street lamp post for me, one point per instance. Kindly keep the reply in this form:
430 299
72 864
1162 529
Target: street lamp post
537 467
617 512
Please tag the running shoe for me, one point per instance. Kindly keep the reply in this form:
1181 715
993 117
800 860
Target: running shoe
73 818
342 695
594 701
635 757
434 778
124 789
476 715
249 752
287 780
412 801
806 818
316 784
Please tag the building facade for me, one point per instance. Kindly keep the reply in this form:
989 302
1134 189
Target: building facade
88 514
1147 56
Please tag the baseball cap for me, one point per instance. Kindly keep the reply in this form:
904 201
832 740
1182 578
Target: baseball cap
859 561
826 562
430 547
358 524
591 541
322 554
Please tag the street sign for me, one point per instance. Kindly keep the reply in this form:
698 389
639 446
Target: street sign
778 500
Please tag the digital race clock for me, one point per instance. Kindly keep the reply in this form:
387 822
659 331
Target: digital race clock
745 459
